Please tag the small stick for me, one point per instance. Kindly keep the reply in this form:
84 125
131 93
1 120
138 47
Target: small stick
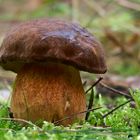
25 121
21 120
115 91
94 84
110 112
90 103
73 115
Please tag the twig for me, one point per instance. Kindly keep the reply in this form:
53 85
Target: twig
90 104
128 4
7 129
21 120
110 112
94 84
115 91
73 115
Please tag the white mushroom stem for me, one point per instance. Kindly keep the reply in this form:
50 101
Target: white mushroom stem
48 92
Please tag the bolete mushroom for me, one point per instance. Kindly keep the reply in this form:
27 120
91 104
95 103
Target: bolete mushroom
47 56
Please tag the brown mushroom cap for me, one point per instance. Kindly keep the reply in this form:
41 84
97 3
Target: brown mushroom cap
40 41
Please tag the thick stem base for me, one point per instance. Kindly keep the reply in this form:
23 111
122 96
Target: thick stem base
51 92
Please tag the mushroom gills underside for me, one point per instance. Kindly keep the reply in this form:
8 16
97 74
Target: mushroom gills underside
48 92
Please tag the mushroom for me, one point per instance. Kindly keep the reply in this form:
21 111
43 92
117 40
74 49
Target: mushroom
47 56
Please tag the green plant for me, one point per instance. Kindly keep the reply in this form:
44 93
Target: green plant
122 124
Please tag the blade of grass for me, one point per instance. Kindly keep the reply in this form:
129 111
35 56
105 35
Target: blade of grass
73 115
90 104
